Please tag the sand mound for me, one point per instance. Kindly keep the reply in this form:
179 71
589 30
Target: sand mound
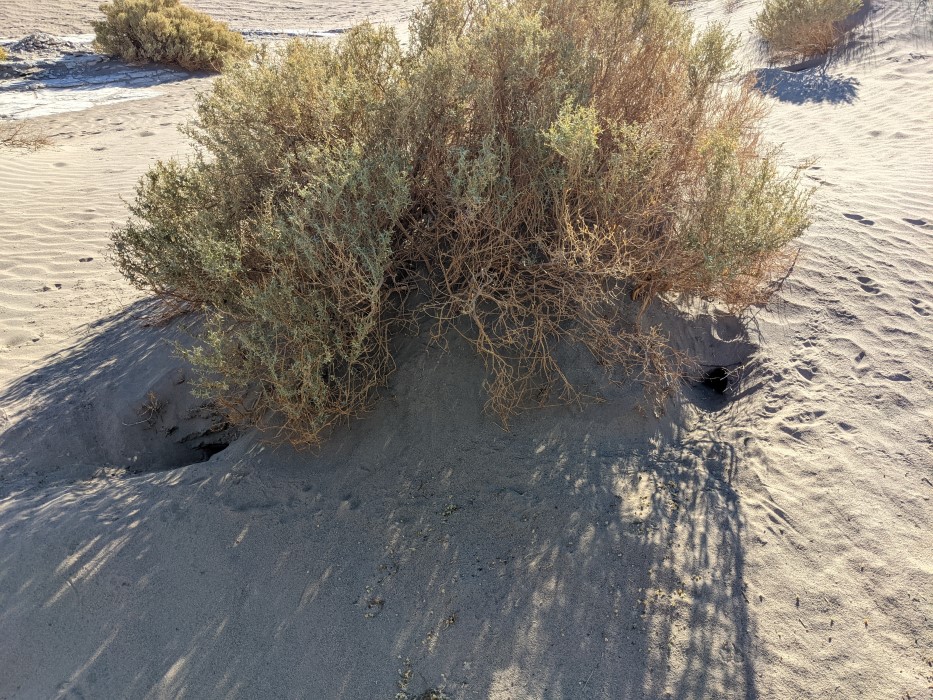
422 531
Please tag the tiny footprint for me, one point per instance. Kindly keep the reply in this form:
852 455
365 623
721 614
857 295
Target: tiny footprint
844 315
868 284
147 133
793 432
85 259
99 148
806 372
861 219
916 222
919 307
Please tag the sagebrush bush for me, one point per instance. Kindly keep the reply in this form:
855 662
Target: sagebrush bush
520 174
803 27
165 31
3 54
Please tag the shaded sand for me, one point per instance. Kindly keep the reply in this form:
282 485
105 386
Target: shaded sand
776 544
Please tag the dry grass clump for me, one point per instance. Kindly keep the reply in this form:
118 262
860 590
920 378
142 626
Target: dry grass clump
3 54
165 31
804 27
520 174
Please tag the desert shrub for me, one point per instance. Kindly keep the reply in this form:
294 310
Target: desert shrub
165 31
281 227
520 174
3 54
803 27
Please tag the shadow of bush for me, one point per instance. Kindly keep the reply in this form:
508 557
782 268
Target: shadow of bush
806 86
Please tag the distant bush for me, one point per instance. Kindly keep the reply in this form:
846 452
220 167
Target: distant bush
521 173
165 31
804 27
3 54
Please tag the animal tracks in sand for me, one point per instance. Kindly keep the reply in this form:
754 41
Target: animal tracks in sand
807 370
868 284
859 218
919 306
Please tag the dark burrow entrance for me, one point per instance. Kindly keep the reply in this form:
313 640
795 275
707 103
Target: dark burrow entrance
170 426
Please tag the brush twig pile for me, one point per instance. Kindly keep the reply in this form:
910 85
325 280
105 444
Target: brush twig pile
22 135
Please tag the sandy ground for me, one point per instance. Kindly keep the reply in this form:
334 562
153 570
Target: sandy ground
775 545
64 17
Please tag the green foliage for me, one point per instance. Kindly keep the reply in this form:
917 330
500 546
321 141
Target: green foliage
520 173
803 27
165 31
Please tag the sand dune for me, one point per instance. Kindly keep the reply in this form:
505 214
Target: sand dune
776 544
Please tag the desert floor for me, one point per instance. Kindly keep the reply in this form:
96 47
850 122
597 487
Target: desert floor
776 544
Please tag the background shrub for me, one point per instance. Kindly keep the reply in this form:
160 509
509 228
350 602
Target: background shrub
165 31
3 54
519 174
803 27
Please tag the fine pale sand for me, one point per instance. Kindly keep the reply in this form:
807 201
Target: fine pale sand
778 544
21 17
